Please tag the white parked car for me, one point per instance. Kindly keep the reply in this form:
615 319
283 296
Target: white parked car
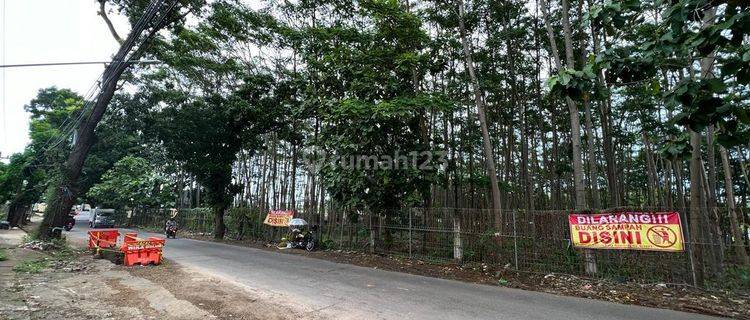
84 215
102 218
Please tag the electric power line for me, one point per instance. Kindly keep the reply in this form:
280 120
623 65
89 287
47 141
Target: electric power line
141 25
74 63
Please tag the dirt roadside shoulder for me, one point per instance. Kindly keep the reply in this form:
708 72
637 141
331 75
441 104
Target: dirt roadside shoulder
45 284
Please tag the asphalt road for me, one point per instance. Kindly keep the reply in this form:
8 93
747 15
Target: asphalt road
345 291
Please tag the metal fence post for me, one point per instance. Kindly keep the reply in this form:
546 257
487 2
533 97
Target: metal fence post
410 254
689 245
372 235
515 241
341 231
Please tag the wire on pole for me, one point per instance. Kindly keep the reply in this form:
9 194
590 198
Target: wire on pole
77 63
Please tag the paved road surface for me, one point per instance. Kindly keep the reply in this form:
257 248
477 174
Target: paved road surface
351 292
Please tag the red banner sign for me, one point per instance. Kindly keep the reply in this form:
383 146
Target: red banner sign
656 231
279 218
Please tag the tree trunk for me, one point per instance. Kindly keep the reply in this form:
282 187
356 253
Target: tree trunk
479 102
680 184
713 209
575 124
554 163
651 171
197 194
710 227
16 212
604 109
711 159
274 169
595 202
739 237
743 168
219 226
695 210
293 184
668 183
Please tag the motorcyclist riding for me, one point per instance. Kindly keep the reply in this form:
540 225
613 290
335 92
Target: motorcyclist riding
170 227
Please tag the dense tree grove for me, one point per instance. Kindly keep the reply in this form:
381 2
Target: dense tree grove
370 105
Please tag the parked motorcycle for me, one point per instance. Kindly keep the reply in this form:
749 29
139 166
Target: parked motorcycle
301 236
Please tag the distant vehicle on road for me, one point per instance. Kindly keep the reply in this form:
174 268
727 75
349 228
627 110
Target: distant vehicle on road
84 215
102 218
39 207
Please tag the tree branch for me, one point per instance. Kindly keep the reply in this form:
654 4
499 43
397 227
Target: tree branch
103 13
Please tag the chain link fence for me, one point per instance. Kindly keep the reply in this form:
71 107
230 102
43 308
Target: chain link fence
526 240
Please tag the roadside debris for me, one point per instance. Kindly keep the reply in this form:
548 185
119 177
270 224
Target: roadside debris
39 245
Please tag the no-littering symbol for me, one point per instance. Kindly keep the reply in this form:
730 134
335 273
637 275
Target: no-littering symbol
661 236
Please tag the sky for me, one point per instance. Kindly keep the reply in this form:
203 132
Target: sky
44 31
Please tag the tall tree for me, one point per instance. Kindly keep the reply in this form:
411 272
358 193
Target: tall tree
154 18
489 156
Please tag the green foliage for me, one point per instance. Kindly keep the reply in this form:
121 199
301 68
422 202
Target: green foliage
739 65
613 15
243 221
364 86
735 278
704 102
206 107
131 182
23 180
196 219
3 254
53 112
326 243
134 9
18 174
677 148
373 149
718 98
572 83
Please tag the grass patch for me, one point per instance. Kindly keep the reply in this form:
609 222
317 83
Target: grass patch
28 238
734 278
31 266
3 254
64 253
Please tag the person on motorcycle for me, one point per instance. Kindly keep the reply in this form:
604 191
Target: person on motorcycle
170 224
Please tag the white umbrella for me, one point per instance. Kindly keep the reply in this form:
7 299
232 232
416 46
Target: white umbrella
297 222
